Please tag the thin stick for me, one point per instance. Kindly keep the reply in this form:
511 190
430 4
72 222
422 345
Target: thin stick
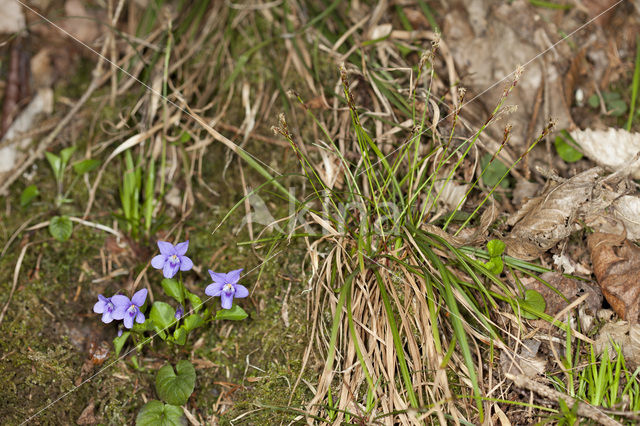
584 409
16 272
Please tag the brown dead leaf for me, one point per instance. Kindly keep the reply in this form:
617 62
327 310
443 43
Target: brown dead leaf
616 265
545 220
570 288
87 417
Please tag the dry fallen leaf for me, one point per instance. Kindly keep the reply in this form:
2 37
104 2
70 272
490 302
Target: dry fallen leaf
527 362
87 417
11 17
616 265
545 220
611 148
508 27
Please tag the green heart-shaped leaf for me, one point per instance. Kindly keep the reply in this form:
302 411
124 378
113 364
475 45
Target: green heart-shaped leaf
236 313
155 413
173 288
533 300
60 228
566 148
495 248
193 321
180 336
495 265
162 314
176 388
196 302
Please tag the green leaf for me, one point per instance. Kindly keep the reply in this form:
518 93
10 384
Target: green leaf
493 171
495 248
176 388
60 228
85 166
565 147
118 342
162 314
66 154
192 321
185 137
236 313
55 163
173 288
180 336
617 107
593 101
533 300
495 265
148 325
196 302
29 193
155 413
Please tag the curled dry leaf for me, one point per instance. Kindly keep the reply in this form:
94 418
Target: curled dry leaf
545 220
616 265
569 289
627 210
611 148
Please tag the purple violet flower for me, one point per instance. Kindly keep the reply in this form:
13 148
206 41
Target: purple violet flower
226 286
172 258
179 312
104 306
127 309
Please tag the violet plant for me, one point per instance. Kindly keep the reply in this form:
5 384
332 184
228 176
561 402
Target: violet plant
172 324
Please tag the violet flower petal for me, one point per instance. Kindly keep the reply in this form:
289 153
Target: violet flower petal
185 263
139 297
227 300
234 276
121 304
166 248
218 277
158 261
128 321
107 317
140 318
99 307
181 248
169 270
241 291
213 289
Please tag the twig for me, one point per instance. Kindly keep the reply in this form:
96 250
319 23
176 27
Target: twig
16 272
584 409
